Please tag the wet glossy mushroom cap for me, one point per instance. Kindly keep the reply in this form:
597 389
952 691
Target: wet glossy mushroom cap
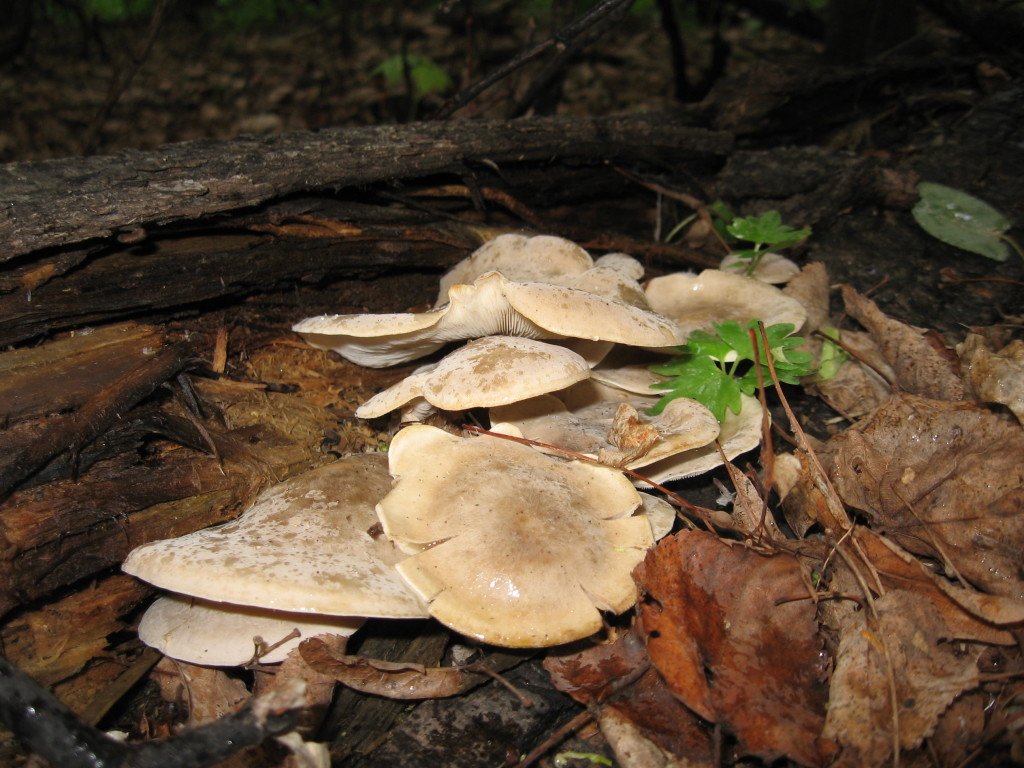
491 305
697 301
303 546
522 258
490 371
617 432
512 547
222 635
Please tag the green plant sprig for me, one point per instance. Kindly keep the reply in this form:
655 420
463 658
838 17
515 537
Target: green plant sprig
715 369
766 230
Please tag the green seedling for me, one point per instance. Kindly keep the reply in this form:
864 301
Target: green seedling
716 368
426 76
832 355
963 221
764 231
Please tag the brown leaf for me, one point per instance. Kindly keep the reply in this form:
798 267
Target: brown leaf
750 513
208 692
733 644
857 388
648 712
900 646
640 717
968 614
921 368
631 437
945 479
400 680
810 287
994 377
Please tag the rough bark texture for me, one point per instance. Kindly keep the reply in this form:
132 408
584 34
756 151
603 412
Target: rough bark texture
56 202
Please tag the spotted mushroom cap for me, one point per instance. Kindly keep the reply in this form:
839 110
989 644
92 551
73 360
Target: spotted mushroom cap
224 635
493 370
304 546
510 546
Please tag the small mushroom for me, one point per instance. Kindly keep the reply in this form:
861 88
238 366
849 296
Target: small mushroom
491 305
493 370
740 432
617 432
524 259
696 302
771 267
510 546
304 546
222 635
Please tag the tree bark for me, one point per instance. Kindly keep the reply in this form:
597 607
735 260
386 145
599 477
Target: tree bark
55 203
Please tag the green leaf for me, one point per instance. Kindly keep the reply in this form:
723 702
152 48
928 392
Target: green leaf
767 229
961 220
700 378
832 355
427 77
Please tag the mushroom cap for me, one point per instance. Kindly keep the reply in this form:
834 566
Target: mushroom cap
660 513
493 370
772 268
696 302
512 547
616 431
491 305
739 433
541 259
303 546
221 635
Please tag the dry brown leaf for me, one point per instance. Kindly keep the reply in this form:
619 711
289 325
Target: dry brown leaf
750 513
994 377
900 645
319 688
644 723
968 614
810 287
943 479
921 366
208 692
729 633
857 388
400 680
631 437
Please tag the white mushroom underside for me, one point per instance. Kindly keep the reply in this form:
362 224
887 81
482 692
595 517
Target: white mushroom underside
303 547
222 635
512 547
492 305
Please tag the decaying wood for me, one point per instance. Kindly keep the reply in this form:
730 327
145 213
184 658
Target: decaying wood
131 190
73 391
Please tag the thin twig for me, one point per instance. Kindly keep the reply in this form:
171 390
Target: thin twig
558 41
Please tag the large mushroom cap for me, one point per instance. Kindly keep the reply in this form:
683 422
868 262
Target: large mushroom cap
696 302
222 635
303 547
490 371
491 305
512 547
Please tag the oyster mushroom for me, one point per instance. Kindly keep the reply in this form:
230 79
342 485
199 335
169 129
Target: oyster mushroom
491 305
493 370
510 546
696 302
302 547
222 635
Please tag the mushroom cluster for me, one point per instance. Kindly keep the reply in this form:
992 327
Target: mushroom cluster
505 542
